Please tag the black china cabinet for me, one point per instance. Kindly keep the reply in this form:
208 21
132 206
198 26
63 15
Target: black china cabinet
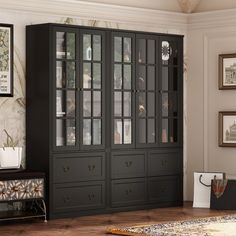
105 118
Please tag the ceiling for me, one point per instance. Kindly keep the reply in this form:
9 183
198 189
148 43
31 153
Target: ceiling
171 5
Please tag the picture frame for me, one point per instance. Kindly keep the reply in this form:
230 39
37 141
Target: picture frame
227 71
227 128
6 60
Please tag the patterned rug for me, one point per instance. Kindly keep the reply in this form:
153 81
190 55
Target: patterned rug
211 226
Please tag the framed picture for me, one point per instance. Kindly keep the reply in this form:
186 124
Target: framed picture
227 128
6 60
227 71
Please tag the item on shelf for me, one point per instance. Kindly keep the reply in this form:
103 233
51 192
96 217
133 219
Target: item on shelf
164 136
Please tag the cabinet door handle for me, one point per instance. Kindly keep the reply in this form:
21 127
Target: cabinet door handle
66 168
66 199
128 163
91 167
128 191
91 196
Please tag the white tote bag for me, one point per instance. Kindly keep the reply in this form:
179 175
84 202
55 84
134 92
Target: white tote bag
202 188
10 158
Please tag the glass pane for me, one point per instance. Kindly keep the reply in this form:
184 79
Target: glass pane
169 104
141 50
117 48
70 45
151 77
87 132
70 132
165 131
97 132
60 74
118 131
70 103
127 131
60 132
142 130
127 76
97 103
61 50
166 78
151 104
142 77
97 47
151 51
127 104
87 75
174 131
117 76
70 72
127 50
151 131
87 103
175 79
118 104
61 108
169 53
87 50
142 104
96 75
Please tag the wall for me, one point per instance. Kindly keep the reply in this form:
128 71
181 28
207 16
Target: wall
209 35
25 12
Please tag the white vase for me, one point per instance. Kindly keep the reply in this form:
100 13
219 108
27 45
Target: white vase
188 6
10 158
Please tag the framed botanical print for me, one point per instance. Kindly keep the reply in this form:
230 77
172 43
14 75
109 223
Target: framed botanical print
6 60
227 128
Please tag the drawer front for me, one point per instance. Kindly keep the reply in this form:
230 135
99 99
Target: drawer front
79 168
73 197
164 164
164 189
21 189
129 192
128 165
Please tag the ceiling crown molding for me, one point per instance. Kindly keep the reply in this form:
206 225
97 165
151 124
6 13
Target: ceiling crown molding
188 6
213 19
98 11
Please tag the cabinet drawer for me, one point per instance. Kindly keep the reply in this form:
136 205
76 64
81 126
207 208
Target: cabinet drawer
164 164
128 192
73 197
128 165
79 168
164 189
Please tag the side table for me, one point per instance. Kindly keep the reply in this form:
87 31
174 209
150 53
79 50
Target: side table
23 186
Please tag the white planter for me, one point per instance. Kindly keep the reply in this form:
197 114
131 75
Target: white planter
10 158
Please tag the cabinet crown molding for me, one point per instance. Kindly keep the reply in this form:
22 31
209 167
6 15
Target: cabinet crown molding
98 11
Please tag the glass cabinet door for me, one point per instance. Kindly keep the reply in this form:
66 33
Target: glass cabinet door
146 95
92 88
169 91
122 89
66 85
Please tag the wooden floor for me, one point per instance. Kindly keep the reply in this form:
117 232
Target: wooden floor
97 225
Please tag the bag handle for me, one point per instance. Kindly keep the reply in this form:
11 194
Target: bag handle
206 185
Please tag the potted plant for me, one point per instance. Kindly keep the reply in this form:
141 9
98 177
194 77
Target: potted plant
10 154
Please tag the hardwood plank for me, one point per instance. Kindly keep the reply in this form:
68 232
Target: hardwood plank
97 225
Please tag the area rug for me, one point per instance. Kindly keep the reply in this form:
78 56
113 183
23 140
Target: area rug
211 226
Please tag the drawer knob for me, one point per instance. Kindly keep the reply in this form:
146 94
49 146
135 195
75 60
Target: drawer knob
128 191
128 163
66 199
91 167
164 162
66 168
91 196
